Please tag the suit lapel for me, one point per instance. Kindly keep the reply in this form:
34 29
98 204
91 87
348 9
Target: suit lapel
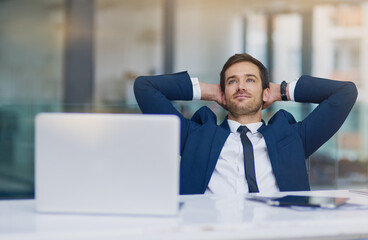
222 132
270 140
225 124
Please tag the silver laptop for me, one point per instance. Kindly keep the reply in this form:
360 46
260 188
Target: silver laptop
107 163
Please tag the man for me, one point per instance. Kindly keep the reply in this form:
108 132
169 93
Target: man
230 158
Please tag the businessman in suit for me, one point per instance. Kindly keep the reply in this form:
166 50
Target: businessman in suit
244 154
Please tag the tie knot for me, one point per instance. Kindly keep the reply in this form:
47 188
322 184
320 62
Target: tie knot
243 129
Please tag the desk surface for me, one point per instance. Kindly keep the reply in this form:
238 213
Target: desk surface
201 217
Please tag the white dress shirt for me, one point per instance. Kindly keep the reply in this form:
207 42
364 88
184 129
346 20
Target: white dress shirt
228 176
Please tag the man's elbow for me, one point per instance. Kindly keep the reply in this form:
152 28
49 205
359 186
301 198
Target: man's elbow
353 90
139 89
139 85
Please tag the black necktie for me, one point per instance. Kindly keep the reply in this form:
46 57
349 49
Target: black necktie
250 173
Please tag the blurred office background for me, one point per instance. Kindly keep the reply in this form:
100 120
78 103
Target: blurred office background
83 56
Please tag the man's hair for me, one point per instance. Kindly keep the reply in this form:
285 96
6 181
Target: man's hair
244 58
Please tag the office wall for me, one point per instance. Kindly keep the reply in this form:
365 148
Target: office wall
207 34
31 51
340 52
128 43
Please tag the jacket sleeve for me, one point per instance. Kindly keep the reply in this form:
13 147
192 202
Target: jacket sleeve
155 93
335 100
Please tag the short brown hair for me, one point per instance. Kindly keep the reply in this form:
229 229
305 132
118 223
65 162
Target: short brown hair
244 58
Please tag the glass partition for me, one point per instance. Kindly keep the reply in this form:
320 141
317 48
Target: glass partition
30 82
129 41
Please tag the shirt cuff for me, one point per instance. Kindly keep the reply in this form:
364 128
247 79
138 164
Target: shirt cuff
196 89
292 90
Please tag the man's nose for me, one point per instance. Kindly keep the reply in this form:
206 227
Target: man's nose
242 84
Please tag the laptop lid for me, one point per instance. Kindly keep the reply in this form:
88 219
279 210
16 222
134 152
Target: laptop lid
107 163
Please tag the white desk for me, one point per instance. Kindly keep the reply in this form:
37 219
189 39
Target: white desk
201 217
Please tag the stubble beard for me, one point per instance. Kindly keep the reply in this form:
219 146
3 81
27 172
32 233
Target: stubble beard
249 108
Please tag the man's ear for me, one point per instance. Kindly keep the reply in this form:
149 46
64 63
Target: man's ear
223 100
266 95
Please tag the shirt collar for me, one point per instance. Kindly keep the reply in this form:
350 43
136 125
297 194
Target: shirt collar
253 127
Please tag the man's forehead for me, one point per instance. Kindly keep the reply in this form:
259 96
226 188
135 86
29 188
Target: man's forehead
243 69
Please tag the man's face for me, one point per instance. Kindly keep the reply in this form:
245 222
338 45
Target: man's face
243 89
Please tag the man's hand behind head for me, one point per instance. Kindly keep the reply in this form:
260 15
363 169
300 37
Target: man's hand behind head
274 95
212 92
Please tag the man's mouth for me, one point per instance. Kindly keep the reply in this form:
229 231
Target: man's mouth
241 96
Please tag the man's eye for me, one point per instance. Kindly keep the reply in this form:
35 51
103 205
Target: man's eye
250 80
231 81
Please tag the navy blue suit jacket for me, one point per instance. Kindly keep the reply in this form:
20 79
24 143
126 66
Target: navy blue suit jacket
289 143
